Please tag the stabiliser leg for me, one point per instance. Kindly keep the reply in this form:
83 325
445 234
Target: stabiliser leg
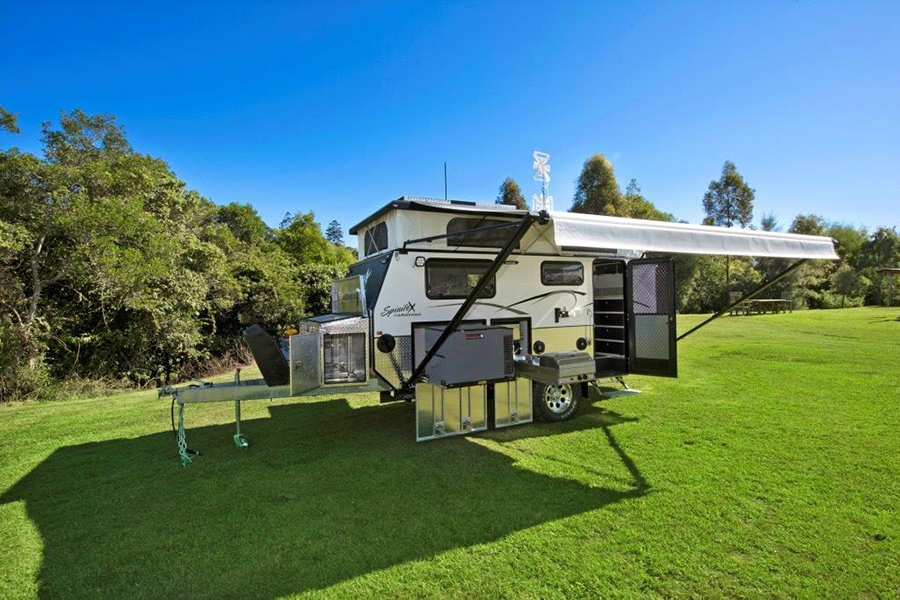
240 440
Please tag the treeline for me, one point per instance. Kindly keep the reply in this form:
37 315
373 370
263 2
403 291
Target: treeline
706 283
111 269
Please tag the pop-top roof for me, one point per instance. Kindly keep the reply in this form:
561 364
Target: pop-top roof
437 205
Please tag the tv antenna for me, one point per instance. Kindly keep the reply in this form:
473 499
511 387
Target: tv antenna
541 165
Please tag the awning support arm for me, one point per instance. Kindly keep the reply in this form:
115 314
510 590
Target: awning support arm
759 289
511 245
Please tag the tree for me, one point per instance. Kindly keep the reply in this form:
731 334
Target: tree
334 233
849 240
9 122
808 225
510 193
637 206
82 138
243 222
882 249
597 191
846 281
727 202
769 222
303 240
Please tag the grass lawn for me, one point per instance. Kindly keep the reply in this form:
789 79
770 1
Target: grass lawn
770 467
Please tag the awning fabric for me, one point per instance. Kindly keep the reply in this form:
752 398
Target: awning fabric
574 230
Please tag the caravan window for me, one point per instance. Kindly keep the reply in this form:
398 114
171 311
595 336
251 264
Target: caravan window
562 273
376 239
460 235
451 278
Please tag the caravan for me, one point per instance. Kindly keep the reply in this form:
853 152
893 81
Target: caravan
489 316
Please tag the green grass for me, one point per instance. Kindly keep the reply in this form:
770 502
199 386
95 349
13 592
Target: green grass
770 467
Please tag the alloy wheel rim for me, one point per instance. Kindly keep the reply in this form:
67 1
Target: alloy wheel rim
558 398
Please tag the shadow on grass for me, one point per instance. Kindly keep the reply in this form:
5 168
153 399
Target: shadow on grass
885 319
326 494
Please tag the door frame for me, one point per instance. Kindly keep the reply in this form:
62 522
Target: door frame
669 367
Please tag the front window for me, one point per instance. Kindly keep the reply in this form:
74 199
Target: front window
449 278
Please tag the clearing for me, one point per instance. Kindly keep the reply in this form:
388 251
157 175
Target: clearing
771 467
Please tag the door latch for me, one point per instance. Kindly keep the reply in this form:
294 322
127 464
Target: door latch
560 313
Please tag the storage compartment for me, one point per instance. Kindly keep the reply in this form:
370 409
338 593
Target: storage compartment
442 412
605 347
609 333
609 317
617 319
512 403
306 362
330 350
472 354
610 305
344 357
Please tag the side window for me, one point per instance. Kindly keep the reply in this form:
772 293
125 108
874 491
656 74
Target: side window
449 278
460 231
562 273
376 239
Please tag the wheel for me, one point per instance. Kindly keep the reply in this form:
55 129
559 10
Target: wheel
555 403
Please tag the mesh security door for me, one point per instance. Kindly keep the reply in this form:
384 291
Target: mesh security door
650 303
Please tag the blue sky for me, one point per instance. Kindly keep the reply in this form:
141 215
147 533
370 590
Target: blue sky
340 107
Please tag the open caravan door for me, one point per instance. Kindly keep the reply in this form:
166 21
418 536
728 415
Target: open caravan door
650 312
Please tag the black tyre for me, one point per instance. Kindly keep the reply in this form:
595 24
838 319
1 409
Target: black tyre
555 403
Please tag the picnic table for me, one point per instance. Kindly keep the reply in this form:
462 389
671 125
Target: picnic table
763 305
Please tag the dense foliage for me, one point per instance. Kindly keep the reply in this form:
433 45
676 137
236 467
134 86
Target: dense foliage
111 268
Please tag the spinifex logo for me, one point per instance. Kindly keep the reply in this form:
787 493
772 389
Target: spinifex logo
407 310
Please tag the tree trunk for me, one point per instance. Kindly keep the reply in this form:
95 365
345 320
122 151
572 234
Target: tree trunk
37 284
727 280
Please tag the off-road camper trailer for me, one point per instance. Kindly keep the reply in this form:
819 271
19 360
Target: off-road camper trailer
489 316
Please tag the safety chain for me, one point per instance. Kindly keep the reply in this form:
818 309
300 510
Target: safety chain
181 439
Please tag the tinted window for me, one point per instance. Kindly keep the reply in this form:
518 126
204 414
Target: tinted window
459 230
376 239
562 273
447 278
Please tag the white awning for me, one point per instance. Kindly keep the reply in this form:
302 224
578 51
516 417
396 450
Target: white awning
575 230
